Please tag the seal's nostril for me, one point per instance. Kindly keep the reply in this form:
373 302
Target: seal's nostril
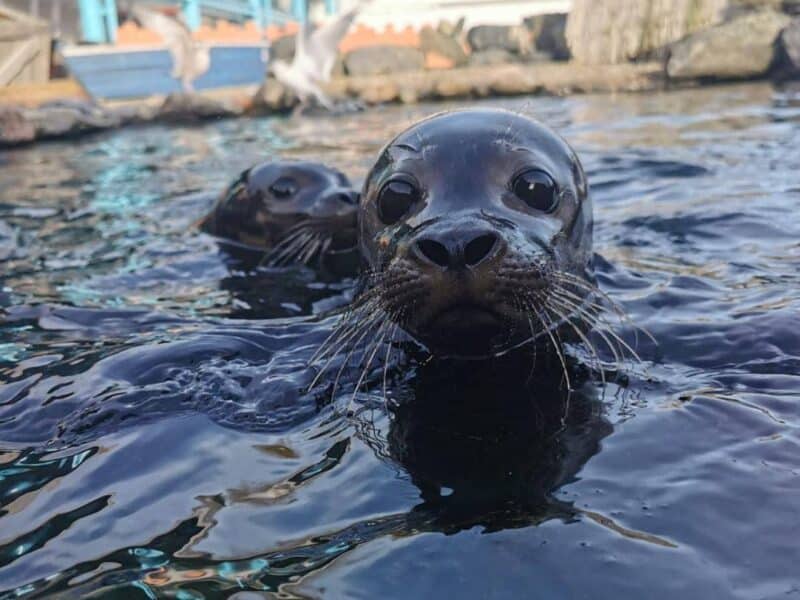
348 198
479 248
434 251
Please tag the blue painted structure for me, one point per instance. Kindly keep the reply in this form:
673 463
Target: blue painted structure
117 73
99 17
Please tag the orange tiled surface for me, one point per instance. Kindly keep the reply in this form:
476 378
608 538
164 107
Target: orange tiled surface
130 34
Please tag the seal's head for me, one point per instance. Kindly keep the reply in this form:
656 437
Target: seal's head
476 228
296 210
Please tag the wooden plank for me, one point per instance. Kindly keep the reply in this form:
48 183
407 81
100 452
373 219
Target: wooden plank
19 31
21 19
34 94
13 64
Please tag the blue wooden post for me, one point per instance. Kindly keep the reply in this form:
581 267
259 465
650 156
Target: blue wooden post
111 20
267 12
191 13
262 12
299 10
92 28
330 6
99 20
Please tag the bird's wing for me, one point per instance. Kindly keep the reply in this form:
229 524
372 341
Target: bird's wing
175 33
301 45
322 45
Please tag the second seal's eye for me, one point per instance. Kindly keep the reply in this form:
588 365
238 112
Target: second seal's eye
395 199
284 187
536 189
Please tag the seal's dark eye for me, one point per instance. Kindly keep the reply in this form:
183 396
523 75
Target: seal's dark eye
395 199
536 189
284 187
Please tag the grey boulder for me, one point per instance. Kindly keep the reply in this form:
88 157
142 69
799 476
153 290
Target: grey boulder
14 127
511 38
740 49
383 60
495 56
788 62
549 34
432 40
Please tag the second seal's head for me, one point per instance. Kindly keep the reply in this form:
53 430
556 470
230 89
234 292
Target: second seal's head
476 228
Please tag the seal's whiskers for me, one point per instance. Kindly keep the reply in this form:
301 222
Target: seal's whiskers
612 304
287 253
376 320
583 338
373 350
601 325
594 321
547 326
340 339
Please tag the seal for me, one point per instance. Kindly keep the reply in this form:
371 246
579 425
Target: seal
476 228
296 211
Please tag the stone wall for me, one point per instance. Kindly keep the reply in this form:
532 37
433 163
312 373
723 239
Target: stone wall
602 32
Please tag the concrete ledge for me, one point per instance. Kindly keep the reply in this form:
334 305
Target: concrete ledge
70 119
553 78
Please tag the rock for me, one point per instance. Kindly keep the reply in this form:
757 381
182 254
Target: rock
381 91
14 127
548 34
737 8
283 48
432 40
453 84
525 83
512 38
788 52
409 95
383 60
135 114
182 108
273 96
492 57
452 30
605 32
740 49
66 118
791 7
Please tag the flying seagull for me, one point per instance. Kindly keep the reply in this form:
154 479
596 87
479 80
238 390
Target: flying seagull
314 56
189 59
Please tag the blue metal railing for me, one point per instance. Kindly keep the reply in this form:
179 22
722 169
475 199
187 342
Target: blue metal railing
99 17
98 20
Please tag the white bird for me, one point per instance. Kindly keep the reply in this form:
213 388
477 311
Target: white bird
314 56
189 58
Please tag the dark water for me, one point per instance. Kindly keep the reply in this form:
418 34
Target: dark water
155 439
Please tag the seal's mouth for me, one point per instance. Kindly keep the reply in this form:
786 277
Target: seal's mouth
465 316
343 240
466 330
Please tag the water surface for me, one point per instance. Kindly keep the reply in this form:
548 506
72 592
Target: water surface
156 441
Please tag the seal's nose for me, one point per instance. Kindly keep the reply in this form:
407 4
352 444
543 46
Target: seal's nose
337 202
456 249
347 197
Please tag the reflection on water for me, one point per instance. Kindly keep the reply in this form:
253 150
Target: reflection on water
156 438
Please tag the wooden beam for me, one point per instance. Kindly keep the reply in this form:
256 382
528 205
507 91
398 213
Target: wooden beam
12 65
34 94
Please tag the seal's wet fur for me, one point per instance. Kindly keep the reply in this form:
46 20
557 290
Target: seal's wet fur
296 211
470 269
